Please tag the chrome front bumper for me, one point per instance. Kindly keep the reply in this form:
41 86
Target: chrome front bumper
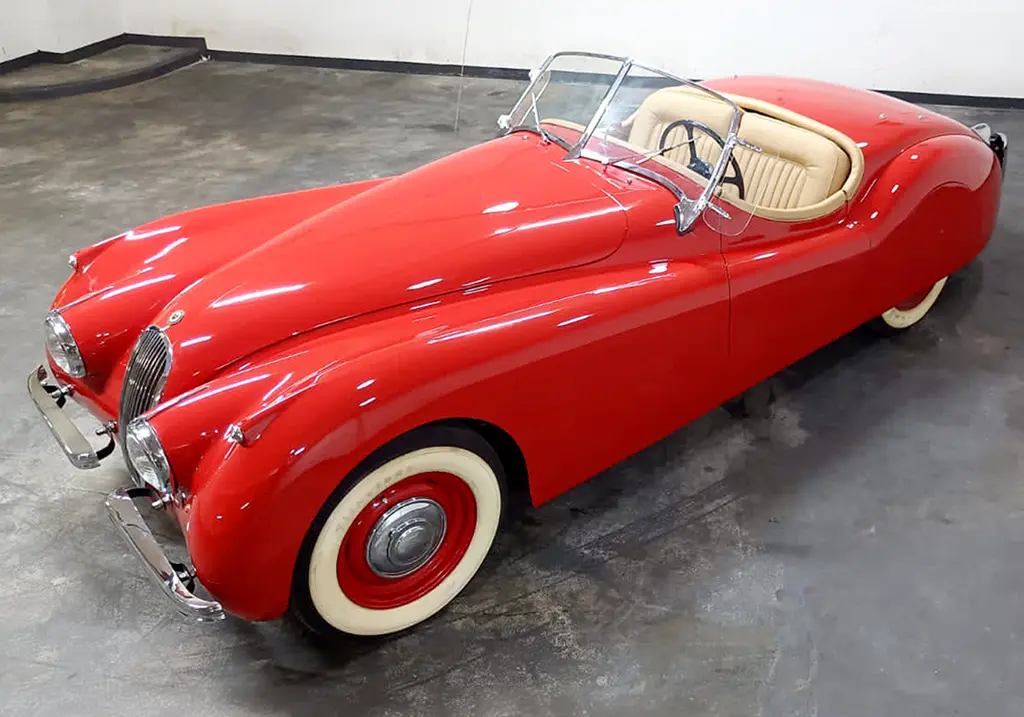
170 576
175 579
50 399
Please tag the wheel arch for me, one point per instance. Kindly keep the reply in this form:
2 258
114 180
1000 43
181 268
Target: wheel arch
511 455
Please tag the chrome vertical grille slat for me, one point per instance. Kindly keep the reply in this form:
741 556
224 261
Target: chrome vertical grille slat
134 376
150 374
145 375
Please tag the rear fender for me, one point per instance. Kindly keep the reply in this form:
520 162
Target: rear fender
929 213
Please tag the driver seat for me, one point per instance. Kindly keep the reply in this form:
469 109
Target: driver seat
797 173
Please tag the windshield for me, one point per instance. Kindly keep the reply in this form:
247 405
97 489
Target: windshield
616 111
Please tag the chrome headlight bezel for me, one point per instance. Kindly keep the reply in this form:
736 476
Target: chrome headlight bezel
145 456
62 347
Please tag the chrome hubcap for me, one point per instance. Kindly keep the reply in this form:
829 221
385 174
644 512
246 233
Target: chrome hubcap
406 537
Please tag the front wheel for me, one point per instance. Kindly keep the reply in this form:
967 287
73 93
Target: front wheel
908 313
399 540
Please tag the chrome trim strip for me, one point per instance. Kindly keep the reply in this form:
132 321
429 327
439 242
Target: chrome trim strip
124 514
653 176
84 297
75 445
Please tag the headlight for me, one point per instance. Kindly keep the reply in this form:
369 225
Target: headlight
62 346
145 456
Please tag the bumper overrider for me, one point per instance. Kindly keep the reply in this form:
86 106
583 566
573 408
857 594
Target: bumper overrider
998 142
175 579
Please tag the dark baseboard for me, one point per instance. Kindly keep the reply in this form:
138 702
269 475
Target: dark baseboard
133 38
182 58
341 63
511 73
19 63
66 58
934 98
414 68
191 50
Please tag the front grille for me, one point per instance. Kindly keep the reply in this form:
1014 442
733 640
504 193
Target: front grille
144 378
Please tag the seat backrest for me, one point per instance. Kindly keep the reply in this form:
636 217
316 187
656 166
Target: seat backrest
797 169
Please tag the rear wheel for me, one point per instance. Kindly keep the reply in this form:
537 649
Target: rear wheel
906 314
401 538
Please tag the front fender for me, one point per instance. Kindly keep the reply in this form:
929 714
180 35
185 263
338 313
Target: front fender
309 415
313 408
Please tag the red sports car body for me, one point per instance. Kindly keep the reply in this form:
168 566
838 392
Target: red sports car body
535 307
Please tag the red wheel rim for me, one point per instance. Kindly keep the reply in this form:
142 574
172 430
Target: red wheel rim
913 302
363 586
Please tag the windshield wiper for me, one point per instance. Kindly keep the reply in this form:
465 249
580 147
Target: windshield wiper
552 137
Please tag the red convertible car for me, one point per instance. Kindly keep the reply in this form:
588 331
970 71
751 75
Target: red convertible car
334 391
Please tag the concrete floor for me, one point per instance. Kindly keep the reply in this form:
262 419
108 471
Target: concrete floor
858 555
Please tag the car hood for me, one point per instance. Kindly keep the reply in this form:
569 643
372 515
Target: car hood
506 209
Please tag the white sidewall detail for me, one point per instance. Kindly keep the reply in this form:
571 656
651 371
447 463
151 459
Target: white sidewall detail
897 319
327 597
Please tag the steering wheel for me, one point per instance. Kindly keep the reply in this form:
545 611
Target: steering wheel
699 165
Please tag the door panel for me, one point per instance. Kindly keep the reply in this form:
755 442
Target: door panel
658 316
794 289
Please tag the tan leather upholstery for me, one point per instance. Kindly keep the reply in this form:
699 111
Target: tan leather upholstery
806 170
797 168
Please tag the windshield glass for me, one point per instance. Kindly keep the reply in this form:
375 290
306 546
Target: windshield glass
565 92
616 111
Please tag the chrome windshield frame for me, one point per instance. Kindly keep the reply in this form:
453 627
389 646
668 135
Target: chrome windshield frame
686 207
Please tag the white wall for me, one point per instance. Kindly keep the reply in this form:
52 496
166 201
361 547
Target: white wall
406 30
21 22
55 25
74 23
946 46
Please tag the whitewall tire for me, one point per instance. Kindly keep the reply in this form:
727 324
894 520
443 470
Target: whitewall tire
911 311
402 538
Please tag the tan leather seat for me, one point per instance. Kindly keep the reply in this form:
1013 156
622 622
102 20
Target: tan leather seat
800 174
798 168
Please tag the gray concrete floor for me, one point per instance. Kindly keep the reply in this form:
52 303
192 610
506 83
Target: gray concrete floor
861 554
